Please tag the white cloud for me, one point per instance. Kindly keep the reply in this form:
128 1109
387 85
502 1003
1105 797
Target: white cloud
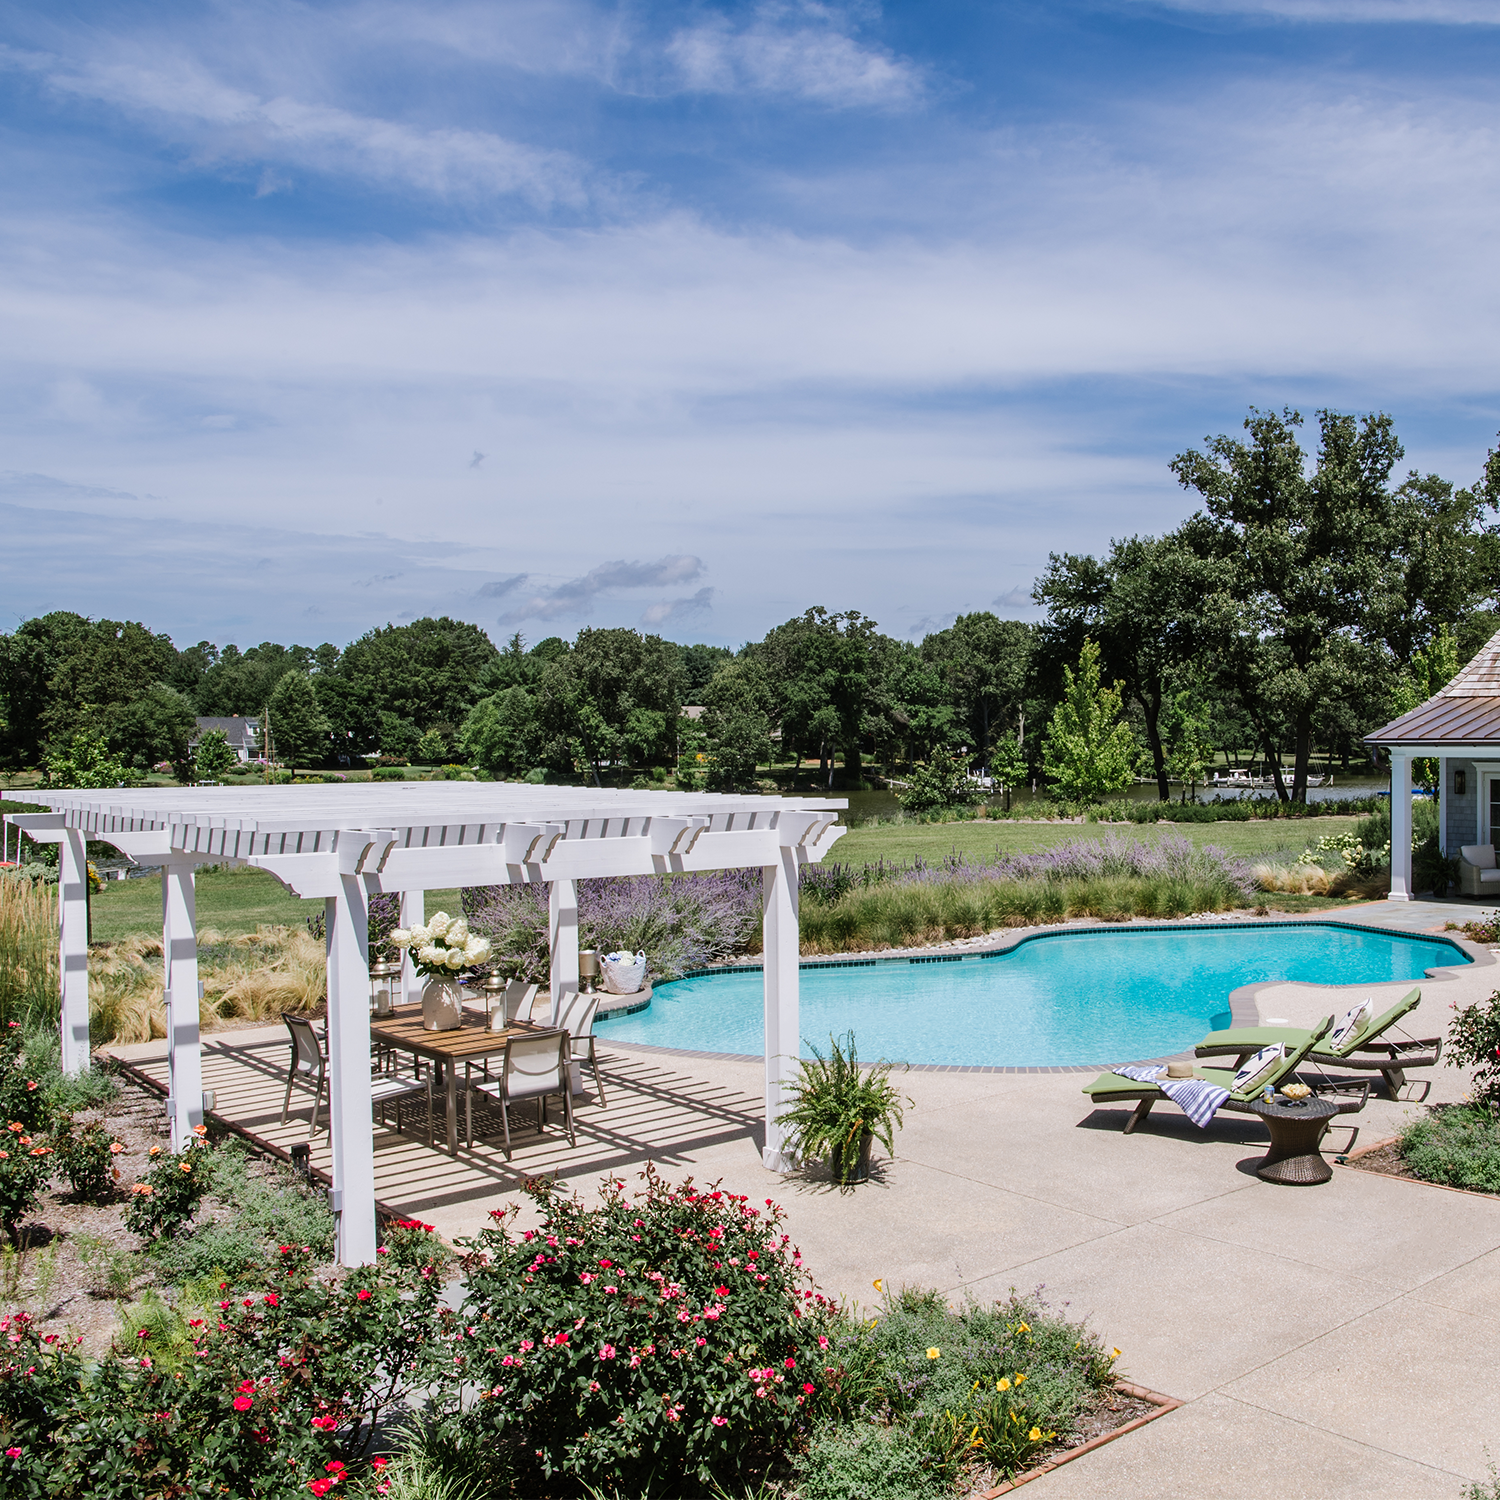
184 100
675 611
575 598
799 50
1362 12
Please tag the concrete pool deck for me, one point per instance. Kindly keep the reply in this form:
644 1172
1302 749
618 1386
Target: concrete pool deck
1328 1342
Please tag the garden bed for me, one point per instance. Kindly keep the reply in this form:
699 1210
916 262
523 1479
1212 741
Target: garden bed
1452 1146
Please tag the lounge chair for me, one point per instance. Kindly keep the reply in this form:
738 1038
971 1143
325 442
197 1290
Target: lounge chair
1387 1057
1114 1088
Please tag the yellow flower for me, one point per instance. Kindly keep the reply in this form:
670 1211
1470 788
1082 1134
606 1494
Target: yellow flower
1023 1327
1115 1355
879 1283
1002 1385
1035 1434
1020 1380
933 1352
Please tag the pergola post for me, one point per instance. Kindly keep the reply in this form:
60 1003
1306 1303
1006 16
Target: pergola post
1400 825
179 947
562 938
349 1098
73 949
413 914
783 1042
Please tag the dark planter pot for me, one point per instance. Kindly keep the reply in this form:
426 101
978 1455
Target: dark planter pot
851 1164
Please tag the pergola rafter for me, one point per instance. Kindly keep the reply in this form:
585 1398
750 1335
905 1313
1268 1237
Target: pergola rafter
345 844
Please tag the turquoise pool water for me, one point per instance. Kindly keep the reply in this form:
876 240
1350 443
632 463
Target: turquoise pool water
1095 996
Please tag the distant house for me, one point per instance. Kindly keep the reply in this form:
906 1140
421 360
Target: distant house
243 735
692 711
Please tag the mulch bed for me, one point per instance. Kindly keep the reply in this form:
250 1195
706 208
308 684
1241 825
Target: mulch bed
1385 1158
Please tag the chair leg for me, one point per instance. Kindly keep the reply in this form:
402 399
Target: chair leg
312 1123
505 1118
1141 1111
598 1082
568 1110
286 1103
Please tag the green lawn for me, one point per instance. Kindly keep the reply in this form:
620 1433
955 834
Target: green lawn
1274 838
231 901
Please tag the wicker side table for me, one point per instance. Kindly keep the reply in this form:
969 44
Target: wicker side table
1296 1129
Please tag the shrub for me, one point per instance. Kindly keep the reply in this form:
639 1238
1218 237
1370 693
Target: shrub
943 782
270 1395
835 1105
637 1341
87 1160
1474 1042
169 1197
867 1463
679 921
25 1170
1455 1146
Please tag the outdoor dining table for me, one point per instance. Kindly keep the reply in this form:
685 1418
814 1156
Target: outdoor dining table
470 1042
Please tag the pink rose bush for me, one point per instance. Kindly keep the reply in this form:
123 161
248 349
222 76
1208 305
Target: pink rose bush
680 1363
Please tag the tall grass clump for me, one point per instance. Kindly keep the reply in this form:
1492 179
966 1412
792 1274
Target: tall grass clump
1113 878
28 950
253 977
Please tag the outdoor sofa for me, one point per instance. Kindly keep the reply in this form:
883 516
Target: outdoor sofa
1477 874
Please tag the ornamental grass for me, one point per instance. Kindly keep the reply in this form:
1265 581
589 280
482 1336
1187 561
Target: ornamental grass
28 949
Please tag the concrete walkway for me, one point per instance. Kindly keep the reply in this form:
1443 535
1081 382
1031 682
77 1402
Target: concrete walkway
1336 1341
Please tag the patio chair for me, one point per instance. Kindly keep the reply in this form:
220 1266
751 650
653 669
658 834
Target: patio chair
1477 875
1386 1056
308 1065
1113 1088
533 1067
520 1000
576 1017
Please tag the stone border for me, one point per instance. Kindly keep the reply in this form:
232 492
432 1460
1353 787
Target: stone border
1348 1159
1163 1405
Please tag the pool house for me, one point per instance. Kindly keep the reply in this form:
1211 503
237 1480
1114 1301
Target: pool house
345 844
1460 728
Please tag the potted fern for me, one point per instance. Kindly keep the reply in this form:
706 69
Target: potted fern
839 1110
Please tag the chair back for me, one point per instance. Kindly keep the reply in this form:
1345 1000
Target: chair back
1408 1002
520 997
576 1013
534 1064
306 1049
1292 1059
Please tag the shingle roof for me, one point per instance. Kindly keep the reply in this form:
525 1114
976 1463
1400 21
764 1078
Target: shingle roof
237 731
1467 711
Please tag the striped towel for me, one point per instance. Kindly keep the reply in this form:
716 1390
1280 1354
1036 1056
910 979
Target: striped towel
1198 1099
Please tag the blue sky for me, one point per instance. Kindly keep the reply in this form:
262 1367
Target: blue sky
315 316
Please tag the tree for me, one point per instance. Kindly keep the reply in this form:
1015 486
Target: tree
1430 672
158 726
736 725
1187 738
299 730
984 662
1089 752
1008 766
1327 575
500 734
943 782
432 671
214 756
432 748
87 762
101 671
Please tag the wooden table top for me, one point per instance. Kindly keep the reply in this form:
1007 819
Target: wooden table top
473 1039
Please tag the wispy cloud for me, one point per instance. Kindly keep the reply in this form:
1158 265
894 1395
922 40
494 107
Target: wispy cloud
498 588
804 50
184 100
673 611
1359 12
575 598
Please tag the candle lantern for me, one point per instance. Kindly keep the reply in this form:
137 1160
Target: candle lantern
588 968
385 977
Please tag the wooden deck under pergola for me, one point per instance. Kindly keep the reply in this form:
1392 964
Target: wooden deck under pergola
345 844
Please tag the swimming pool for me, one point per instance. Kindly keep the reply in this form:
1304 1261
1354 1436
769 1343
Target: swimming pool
1087 996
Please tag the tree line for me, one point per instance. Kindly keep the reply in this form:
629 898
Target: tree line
1311 596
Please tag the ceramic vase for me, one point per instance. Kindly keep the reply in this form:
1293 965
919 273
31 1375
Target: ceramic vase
442 1005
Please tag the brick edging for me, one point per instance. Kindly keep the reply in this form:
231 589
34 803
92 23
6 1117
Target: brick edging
1443 1187
1163 1405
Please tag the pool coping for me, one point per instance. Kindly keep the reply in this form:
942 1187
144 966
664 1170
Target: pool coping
1244 1007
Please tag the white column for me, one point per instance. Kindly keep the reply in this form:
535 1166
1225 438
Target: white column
179 947
783 1039
349 1102
562 938
73 949
413 914
1443 787
1400 826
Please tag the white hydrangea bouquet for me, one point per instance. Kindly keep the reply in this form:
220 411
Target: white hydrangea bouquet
442 946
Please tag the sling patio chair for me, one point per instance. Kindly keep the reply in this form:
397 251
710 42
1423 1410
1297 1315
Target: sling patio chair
534 1066
576 1017
308 1066
1114 1088
1358 1042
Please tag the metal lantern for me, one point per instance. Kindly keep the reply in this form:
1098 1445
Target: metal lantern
385 975
588 968
492 989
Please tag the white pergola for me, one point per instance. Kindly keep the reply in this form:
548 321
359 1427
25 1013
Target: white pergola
344 844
